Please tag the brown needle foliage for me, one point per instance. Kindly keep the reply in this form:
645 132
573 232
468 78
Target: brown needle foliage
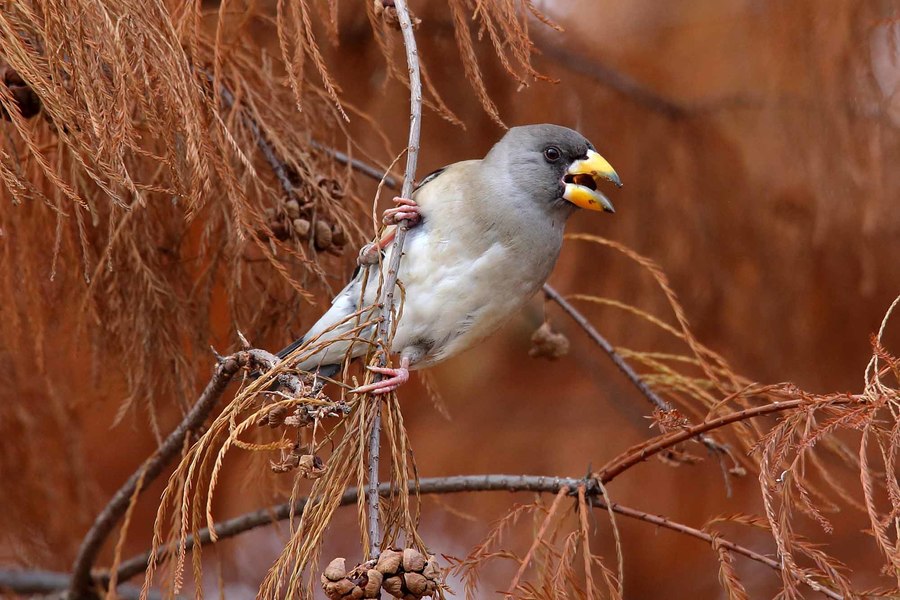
159 156
165 174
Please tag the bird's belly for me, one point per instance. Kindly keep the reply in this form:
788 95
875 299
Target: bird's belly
451 305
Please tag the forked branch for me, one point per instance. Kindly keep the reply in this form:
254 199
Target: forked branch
551 293
459 484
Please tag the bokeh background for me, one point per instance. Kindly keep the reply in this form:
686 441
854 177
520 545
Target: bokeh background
758 143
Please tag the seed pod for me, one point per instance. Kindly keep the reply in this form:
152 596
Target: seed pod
356 593
301 227
413 560
323 235
274 417
394 586
374 584
415 583
331 187
546 343
431 570
389 562
338 237
334 589
293 208
336 570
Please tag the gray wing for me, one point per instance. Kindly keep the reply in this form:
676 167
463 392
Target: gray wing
335 324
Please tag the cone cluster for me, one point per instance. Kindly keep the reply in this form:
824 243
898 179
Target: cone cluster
294 220
405 574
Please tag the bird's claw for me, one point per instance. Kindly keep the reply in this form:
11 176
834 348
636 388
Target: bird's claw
405 210
368 254
396 378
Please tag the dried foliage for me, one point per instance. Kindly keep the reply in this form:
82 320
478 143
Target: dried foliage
799 460
164 150
168 181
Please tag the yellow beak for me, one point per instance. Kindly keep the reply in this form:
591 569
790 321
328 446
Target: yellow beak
581 182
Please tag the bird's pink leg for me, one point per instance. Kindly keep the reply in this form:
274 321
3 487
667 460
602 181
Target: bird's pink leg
396 378
406 210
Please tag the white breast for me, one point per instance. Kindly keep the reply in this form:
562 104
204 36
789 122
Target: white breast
468 269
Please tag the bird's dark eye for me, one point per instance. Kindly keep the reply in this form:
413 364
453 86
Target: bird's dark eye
552 153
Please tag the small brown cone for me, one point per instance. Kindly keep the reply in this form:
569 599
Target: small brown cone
336 570
323 235
301 228
394 586
373 586
415 583
389 562
546 343
413 560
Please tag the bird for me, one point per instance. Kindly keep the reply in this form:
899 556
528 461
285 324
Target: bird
484 236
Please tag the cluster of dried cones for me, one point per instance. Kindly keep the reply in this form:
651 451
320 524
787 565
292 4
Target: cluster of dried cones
26 100
295 220
405 574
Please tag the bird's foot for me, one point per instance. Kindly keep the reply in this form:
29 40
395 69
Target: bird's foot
405 210
395 378
369 254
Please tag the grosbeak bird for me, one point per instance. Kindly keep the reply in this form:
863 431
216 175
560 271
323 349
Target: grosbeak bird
485 236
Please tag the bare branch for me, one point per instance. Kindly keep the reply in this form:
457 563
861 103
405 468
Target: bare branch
702 535
458 484
358 165
47 582
278 166
644 451
390 283
149 470
623 366
601 341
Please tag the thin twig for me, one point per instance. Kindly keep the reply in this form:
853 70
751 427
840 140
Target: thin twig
601 341
538 540
702 535
623 366
452 485
358 165
641 453
149 470
390 283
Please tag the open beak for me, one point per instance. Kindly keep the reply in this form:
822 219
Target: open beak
581 182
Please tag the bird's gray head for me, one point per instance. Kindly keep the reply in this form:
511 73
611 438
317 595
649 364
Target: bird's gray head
555 166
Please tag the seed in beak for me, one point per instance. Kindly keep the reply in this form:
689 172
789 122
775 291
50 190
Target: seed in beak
583 179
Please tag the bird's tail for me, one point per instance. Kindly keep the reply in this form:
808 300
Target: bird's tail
290 348
326 370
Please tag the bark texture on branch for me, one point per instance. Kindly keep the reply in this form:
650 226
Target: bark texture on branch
459 484
390 283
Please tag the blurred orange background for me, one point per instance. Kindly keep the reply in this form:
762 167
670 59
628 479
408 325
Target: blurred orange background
757 141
